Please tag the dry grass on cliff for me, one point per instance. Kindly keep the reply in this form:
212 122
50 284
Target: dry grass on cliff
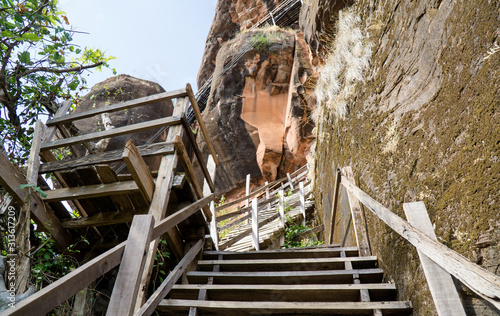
344 67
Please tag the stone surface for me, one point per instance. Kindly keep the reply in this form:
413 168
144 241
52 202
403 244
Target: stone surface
424 125
118 89
230 18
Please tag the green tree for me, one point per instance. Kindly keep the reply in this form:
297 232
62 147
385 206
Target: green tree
39 66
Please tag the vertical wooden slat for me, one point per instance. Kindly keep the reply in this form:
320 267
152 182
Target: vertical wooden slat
289 180
139 170
330 220
282 207
255 224
247 190
127 283
358 219
268 196
440 283
302 203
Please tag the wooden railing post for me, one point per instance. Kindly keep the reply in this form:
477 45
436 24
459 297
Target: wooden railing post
214 233
302 203
255 224
268 196
247 202
289 180
282 207
330 220
440 283
126 288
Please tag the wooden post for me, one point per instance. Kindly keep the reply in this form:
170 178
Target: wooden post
358 219
282 207
214 233
289 180
330 221
302 203
247 203
139 170
255 224
128 281
440 283
211 167
268 196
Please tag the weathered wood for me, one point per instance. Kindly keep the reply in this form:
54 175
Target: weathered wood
51 130
11 179
247 191
210 167
74 149
139 170
123 297
91 191
119 106
106 157
255 225
201 123
174 219
45 300
138 127
302 203
284 308
330 219
34 157
290 182
149 307
108 175
440 283
199 155
358 219
479 280
214 233
103 219
281 207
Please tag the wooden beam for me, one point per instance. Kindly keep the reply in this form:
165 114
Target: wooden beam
119 106
201 123
51 296
149 307
330 219
358 219
302 202
478 279
138 127
108 175
255 225
103 219
440 283
11 179
139 170
91 191
106 157
123 297
51 131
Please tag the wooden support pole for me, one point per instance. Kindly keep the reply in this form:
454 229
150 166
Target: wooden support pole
358 219
214 233
255 224
302 203
290 182
123 297
139 170
478 279
282 207
268 195
440 283
51 131
201 123
330 220
247 190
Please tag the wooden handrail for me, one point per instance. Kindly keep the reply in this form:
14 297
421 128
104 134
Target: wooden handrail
119 106
478 279
56 293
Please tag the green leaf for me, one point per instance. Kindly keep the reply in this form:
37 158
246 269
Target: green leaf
24 57
7 34
31 37
18 18
74 84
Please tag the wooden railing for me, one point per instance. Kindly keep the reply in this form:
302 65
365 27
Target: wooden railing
261 198
419 233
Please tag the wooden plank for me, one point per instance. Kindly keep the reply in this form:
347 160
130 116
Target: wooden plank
103 219
106 157
138 127
330 219
255 225
34 157
211 167
206 172
75 150
285 308
201 123
190 174
358 219
11 179
302 203
51 296
247 190
478 279
91 191
440 283
214 233
119 106
139 170
51 130
87 176
123 297
290 182
281 208
108 175
281 292
149 307
316 252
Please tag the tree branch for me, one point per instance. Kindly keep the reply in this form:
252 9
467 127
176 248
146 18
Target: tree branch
58 71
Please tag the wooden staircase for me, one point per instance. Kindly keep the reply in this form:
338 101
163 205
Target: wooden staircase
307 281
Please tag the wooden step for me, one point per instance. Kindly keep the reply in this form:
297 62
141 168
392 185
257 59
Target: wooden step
301 264
285 293
318 252
287 277
284 308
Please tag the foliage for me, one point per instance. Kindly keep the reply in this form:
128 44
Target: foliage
161 257
293 240
39 64
263 41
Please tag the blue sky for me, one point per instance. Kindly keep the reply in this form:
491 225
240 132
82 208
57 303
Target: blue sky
157 40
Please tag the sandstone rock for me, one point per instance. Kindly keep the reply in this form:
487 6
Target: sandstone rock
118 89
